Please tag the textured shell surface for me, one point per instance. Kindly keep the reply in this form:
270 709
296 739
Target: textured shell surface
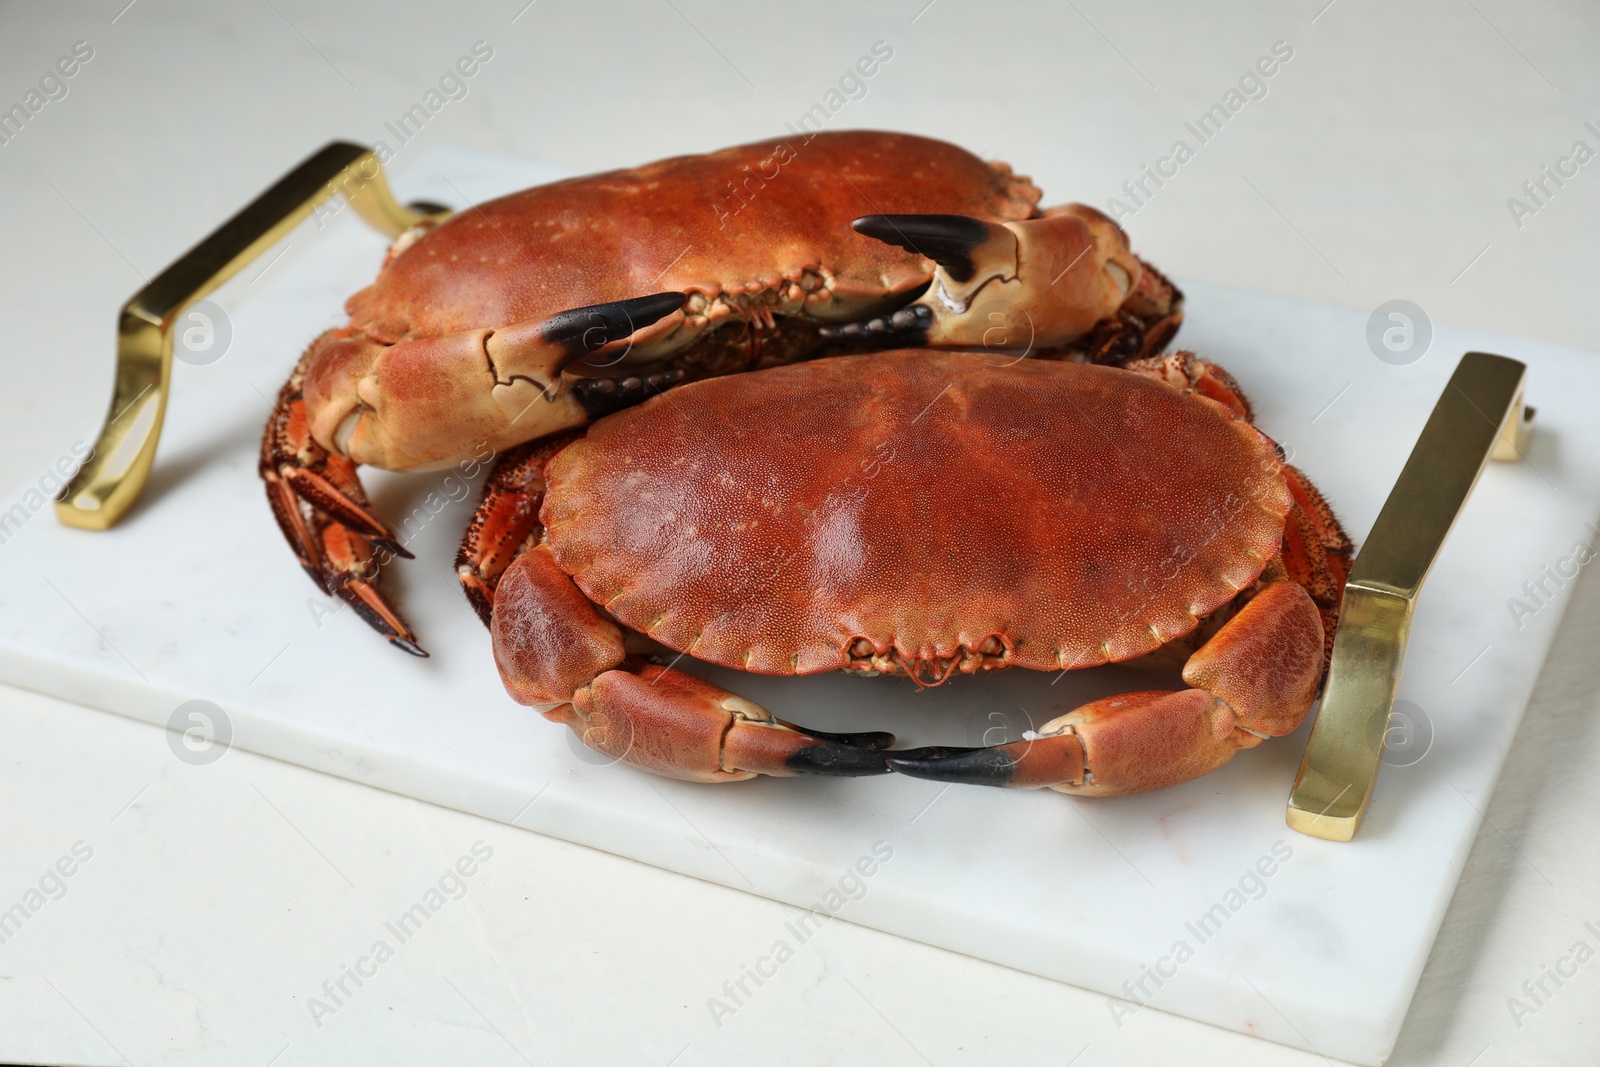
923 501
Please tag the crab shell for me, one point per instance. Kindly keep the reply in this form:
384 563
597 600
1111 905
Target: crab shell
743 222
437 361
912 511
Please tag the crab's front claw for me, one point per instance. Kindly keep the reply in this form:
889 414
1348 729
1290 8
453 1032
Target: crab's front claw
679 726
1255 678
1065 280
555 648
432 401
1030 764
1124 744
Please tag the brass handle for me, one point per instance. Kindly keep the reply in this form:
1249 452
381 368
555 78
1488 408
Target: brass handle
1479 415
116 473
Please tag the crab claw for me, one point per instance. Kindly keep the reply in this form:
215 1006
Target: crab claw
556 650
586 330
1255 678
1124 744
948 240
674 724
427 402
1065 280
1019 764
602 396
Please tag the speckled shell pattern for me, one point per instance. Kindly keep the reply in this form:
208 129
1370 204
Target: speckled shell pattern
923 501
768 216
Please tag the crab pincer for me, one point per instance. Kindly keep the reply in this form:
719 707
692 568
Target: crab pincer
1256 678
671 723
1062 283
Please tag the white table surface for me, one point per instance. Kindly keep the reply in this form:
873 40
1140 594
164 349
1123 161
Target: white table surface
218 898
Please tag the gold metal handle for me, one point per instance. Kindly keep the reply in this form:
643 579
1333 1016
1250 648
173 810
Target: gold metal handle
1480 415
116 473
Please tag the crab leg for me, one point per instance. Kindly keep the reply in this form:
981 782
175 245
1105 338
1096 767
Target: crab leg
1256 678
506 522
555 647
324 513
1064 283
431 401
1188 373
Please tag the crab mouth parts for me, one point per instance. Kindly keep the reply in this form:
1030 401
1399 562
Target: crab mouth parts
864 658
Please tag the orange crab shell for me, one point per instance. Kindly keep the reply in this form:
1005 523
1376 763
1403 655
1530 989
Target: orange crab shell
736 221
917 508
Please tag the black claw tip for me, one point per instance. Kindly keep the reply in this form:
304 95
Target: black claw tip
428 207
908 326
850 331
948 240
589 329
968 766
316 576
876 740
393 547
410 646
839 760
602 396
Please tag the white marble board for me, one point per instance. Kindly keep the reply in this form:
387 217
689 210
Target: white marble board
195 597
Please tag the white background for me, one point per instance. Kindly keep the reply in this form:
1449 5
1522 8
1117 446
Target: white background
1377 167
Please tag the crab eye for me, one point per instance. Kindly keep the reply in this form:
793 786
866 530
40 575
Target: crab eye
861 648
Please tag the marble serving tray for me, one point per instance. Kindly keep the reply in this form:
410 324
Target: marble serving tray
1197 900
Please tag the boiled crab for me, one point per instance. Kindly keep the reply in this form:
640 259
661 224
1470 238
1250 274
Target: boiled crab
916 513
537 312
